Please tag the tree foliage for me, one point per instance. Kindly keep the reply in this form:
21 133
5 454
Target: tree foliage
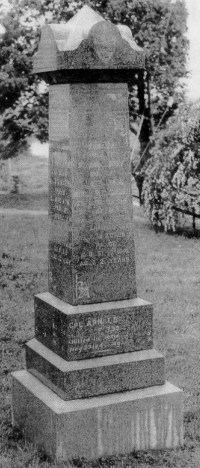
156 25
172 174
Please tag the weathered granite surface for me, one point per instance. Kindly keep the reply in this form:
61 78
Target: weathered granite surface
91 247
149 418
97 376
80 332
87 42
93 335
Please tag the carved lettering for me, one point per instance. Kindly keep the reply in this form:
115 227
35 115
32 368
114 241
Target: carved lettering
90 194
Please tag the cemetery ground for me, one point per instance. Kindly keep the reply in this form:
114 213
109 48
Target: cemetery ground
168 275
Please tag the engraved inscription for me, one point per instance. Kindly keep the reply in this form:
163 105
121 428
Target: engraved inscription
107 332
61 252
97 333
108 248
60 201
90 203
58 112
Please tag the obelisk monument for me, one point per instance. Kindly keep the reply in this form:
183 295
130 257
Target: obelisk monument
93 385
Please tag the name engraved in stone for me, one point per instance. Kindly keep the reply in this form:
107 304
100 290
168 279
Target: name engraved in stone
107 332
58 112
60 147
96 188
60 252
60 203
60 182
103 256
104 248
90 192
114 128
93 198
60 265
116 98
95 332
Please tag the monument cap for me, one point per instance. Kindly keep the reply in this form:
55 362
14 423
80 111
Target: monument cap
87 42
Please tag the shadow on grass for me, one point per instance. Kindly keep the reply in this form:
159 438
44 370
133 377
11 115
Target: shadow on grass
187 232
31 201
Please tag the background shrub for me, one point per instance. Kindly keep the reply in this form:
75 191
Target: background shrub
172 174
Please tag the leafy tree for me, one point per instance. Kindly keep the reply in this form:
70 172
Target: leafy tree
172 174
24 107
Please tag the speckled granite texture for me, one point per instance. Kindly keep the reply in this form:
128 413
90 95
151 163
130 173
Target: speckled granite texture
94 385
149 418
93 330
91 246
91 377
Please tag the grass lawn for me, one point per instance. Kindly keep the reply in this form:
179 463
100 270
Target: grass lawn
33 184
168 274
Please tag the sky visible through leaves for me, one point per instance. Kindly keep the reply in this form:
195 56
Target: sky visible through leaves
193 7
193 83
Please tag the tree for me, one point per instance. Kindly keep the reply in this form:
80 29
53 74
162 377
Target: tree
24 107
172 174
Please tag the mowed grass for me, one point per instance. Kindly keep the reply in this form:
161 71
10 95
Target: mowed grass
32 173
168 274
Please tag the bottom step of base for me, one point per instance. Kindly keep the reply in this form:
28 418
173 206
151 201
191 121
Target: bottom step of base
150 418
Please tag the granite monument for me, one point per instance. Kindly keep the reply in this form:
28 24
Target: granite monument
94 385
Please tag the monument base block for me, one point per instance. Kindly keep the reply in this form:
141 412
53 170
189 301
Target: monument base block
93 377
119 423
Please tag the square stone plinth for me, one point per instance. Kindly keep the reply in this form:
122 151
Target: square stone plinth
86 331
150 418
97 376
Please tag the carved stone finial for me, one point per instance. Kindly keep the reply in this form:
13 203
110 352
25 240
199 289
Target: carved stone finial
104 38
87 42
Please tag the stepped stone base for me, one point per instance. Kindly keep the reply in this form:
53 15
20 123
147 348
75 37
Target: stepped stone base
97 376
92 330
143 419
